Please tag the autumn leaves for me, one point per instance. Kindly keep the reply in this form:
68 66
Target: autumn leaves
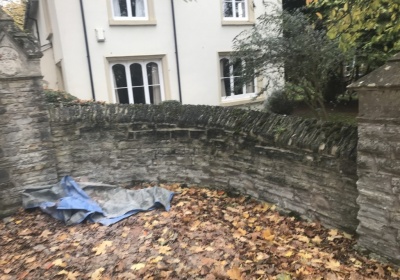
205 235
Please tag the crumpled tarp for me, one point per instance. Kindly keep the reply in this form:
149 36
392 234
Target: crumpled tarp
106 204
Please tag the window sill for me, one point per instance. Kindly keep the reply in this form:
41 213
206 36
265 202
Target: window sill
132 22
237 22
242 101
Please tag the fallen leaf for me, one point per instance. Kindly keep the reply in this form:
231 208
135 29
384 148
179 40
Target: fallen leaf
45 233
283 276
333 232
288 254
316 239
164 250
25 232
267 235
30 260
333 265
196 249
380 271
347 236
101 249
239 233
156 259
195 225
62 237
96 275
303 238
333 237
138 266
305 255
234 273
73 275
60 263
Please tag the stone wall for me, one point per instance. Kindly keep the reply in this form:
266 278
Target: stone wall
379 160
301 165
26 149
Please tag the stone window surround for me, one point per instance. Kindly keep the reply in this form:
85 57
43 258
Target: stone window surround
249 20
151 20
238 100
109 60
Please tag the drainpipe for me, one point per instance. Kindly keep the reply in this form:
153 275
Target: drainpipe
37 29
87 50
176 51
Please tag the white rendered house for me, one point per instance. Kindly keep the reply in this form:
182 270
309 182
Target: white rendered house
144 51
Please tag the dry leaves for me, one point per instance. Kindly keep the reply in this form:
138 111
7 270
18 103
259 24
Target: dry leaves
206 234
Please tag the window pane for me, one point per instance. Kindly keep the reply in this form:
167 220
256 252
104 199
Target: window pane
120 8
226 87
122 95
153 77
250 88
225 67
138 9
238 86
228 9
240 9
119 76
136 74
138 95
225 77
155 94
237 67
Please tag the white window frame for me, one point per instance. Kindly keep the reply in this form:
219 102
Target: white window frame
245 95
234 17
129 8
143 64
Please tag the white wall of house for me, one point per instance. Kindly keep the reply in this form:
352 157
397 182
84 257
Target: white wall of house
202 36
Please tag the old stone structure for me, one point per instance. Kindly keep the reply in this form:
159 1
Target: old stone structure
26 149
379 160
305 166
301 165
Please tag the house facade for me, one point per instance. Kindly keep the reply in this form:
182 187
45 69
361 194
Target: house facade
144 51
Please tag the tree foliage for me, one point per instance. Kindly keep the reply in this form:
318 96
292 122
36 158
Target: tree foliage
372 27
16 9
283 43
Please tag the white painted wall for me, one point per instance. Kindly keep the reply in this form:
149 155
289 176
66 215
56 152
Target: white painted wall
201 37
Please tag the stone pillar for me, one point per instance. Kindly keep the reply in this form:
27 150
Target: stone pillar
26 151
379 160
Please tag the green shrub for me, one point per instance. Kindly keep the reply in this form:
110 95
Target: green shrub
57 96
171 102
279 103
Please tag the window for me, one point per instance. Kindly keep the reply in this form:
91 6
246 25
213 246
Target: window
231 85
130 9
235 9
138 82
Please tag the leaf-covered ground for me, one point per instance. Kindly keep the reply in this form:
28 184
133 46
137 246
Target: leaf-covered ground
206 235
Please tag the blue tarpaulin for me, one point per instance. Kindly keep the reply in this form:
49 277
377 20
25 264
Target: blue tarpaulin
74 202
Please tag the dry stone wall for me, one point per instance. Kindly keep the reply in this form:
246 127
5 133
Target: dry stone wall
301 165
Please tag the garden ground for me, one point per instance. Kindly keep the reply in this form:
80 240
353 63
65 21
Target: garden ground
337 112
206 235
